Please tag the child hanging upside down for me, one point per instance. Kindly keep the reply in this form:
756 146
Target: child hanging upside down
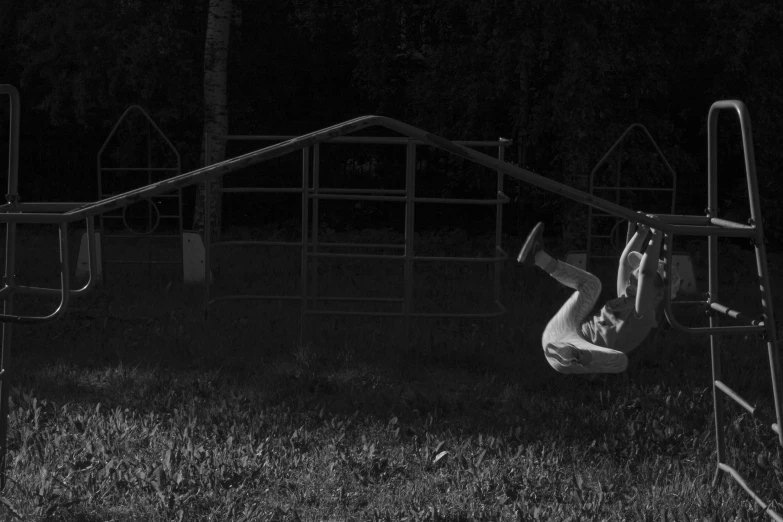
574 344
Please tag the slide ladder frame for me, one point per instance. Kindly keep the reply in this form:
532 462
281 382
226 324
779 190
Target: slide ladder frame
62 214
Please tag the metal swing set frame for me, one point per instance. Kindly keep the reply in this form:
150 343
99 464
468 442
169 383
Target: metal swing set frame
15 212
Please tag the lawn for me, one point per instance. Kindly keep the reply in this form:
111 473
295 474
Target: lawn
133 407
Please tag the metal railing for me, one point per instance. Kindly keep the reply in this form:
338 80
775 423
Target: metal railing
62 214
313 249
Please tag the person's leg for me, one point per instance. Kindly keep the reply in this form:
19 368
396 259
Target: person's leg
588 287
571 315
572 354
566 350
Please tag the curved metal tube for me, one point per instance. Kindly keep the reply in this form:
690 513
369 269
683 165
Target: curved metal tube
65 292
669 312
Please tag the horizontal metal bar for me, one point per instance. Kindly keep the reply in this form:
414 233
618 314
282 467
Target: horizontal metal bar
672 219
704 330
322 190
259 190
355 245
37 290
141 236
43 206
643 189
247 243
495 259
358 299
366 139
695 230
353 313
458 201
684 219
356 197
730 224
139 169
754 412
140 262
701 303
336 255
736 476
735 314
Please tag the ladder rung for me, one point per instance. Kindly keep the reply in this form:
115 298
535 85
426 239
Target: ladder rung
734 314
754 412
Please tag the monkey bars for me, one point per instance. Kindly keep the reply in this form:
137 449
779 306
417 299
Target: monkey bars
62 214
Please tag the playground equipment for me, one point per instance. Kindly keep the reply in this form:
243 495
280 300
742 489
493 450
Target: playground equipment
313 249
609 225
15 212
156 220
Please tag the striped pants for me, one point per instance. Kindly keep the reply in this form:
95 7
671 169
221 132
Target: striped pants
566 325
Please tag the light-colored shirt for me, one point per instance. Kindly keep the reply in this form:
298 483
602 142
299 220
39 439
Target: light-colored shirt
617 326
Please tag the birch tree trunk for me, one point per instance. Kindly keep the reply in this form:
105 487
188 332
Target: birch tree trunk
215 109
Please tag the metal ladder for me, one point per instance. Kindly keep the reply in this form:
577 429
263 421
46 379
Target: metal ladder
765 325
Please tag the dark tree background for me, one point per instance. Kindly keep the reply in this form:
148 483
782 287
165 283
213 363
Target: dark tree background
562 79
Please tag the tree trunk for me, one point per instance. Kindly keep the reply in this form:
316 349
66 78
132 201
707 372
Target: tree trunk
215 109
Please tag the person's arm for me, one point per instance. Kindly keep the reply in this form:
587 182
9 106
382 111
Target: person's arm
635 244
645 293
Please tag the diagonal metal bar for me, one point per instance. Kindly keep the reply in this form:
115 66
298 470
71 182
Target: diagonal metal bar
307 140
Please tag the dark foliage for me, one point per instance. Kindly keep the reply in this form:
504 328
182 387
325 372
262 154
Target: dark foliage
562 81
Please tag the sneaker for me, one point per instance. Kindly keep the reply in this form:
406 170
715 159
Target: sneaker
533 243
564 353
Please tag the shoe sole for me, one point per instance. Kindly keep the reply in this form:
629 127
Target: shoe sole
524 257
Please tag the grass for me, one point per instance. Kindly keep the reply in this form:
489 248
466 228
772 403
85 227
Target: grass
133 408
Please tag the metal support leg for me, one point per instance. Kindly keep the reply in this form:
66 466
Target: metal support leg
304 338
207 227
410 194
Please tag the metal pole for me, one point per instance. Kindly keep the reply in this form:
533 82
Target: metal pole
410 194
712 253
10 269
618 178
760 248
207 225
314 230
150 223
496 267
303 326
